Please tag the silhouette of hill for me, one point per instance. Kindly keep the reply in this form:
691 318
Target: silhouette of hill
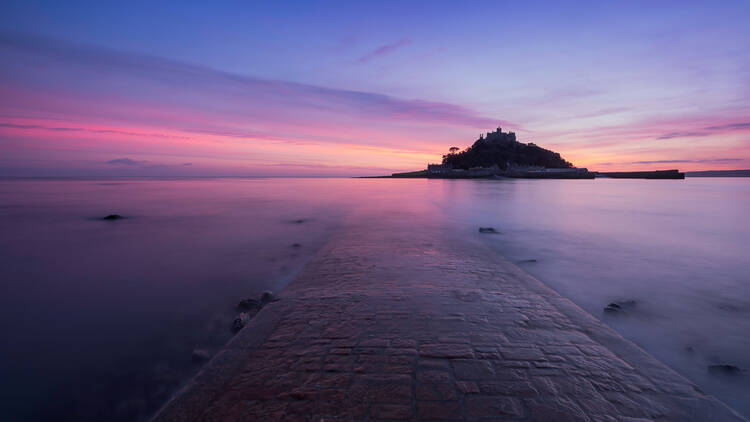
502 149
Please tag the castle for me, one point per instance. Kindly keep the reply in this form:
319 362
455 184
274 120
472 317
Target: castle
498 136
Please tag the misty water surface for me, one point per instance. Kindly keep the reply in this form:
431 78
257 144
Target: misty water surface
100 317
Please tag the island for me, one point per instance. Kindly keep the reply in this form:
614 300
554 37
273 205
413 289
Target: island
499 155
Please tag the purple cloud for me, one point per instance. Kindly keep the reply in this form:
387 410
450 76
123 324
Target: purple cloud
125 162
81 129
56 129
710 130
159 82
731 126
713 160
383 50
683 135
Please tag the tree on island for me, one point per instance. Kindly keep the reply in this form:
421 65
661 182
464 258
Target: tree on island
502 149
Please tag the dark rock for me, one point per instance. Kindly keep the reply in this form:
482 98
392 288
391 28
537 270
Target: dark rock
300 221
724 369
527 261
730 307
113 217
612 308
240 321
200 355
249 304
490 230
620 306
266 297
296 245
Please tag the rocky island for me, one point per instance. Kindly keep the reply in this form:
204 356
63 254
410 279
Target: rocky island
499 154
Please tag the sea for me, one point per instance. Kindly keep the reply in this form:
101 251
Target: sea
101 319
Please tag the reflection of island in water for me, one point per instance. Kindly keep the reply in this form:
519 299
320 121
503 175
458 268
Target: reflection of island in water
499 154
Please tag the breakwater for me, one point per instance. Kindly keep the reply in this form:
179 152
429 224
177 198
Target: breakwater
402 324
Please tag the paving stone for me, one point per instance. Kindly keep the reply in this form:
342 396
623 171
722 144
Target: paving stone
439 410
435 391
467 387
508 388
522 353
374 342
391 411
382 388
446 351
488 355
433 376
434 363
555 408
466 369
404 343
493 407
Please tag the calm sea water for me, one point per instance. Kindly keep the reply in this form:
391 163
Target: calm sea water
100 318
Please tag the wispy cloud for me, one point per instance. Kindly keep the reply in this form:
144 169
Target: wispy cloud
731 126
102 103
56 129
88 130
717 161
683 135
706 131
710 160
383 50
151 82
125 162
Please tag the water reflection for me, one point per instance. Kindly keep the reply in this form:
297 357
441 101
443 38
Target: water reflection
100 317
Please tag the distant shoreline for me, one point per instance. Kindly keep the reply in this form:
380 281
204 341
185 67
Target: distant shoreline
718 173
422 174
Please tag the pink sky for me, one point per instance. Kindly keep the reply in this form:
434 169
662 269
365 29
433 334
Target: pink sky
367 105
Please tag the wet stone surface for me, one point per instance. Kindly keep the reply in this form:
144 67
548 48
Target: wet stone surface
379 326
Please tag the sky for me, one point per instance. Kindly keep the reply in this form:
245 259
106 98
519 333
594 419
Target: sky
325 88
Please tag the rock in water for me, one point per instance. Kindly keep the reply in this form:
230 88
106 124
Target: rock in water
249 304
113 217
200 355
266 297
240 321
725 369
612 308
296 245
621 306
490 230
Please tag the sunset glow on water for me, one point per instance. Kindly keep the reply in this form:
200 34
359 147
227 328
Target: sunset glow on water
140 294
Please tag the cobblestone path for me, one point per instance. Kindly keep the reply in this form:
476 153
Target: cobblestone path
397 324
